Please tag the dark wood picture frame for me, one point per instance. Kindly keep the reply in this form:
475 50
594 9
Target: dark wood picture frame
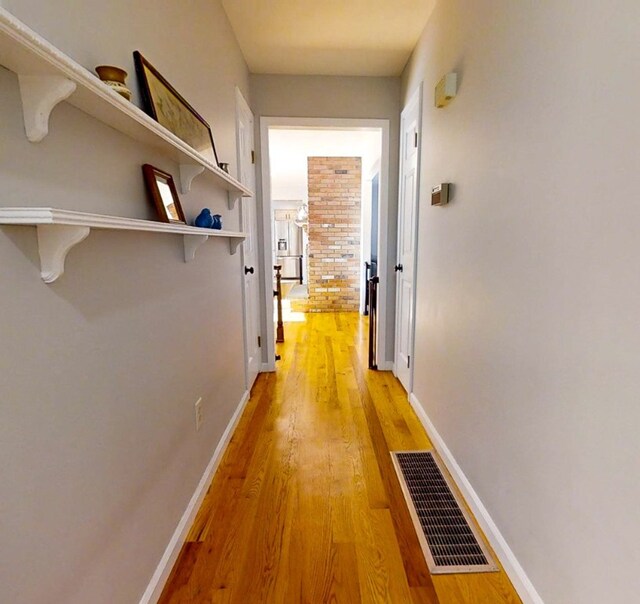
162 191
170 109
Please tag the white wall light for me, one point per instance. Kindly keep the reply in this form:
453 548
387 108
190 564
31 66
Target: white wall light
446 89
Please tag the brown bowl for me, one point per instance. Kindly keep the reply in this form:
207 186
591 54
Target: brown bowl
109 73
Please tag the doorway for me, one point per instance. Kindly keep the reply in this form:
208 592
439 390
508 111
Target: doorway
324 191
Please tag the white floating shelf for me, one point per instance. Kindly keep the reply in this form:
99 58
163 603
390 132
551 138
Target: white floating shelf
47 77
60 230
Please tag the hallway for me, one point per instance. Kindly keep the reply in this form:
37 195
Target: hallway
305 506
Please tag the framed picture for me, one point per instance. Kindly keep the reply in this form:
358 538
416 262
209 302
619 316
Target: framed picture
167 106
162 191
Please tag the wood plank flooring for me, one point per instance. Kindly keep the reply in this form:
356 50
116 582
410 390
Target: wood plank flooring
305 507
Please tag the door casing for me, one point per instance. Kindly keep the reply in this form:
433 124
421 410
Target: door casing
404 355
267 123
250 248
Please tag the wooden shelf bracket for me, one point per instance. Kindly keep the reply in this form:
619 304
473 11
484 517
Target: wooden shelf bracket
54 243
234 242
191 244
40 95
232 197
187 173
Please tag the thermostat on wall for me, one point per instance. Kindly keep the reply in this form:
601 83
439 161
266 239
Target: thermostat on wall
440 194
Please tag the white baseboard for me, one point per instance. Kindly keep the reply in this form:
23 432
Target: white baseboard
386 366
268 367
160 576
512 567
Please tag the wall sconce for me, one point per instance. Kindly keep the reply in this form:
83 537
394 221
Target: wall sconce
446 89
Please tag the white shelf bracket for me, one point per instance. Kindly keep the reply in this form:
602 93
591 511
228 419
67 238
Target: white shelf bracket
191 244
232 197
40 95
187 173
54 243
234 242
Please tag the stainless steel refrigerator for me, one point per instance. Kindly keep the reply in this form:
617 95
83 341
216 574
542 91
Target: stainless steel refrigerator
289 248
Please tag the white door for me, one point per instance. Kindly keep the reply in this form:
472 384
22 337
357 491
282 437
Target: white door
407 237
248 218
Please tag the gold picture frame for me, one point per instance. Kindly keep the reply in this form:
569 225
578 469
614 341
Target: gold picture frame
169 108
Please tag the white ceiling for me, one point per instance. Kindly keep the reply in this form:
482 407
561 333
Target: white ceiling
289 149
328 37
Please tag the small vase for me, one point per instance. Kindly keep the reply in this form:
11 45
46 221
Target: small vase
204 219
115 78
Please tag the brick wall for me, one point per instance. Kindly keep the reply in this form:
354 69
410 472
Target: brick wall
334 233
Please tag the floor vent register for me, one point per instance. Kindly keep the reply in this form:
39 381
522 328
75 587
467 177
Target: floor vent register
448 538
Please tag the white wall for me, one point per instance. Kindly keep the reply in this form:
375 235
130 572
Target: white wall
340 97
289 150
528 341
287 204
99 372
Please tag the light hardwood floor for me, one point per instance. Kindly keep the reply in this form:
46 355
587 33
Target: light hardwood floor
305 507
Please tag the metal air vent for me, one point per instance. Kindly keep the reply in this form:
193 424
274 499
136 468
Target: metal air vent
449 541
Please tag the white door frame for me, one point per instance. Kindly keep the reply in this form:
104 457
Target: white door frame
241 104
417 96
383 216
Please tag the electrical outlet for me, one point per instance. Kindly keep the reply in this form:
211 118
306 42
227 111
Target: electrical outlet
199 416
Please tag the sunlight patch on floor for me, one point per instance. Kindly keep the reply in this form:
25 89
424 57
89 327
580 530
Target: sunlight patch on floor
288 315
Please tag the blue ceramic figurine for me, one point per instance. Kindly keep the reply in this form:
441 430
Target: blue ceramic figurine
204 219
217 222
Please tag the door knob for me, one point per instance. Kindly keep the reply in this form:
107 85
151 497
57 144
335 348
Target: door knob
248 269
397 268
